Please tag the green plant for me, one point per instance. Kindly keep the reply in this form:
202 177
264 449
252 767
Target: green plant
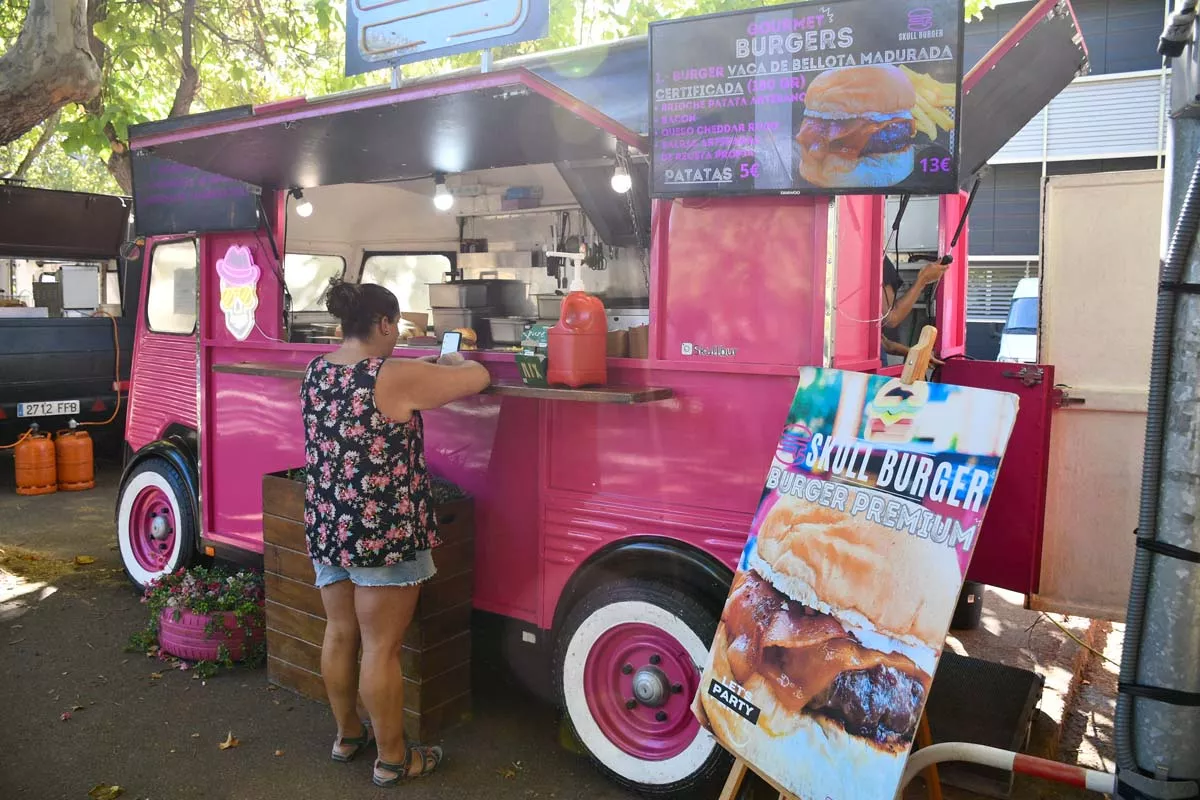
201 590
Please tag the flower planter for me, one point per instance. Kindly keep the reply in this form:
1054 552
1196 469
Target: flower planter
200 637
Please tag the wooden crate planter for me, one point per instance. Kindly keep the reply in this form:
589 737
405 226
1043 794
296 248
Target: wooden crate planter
437 649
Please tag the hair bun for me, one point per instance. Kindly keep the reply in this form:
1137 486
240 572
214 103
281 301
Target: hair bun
343 300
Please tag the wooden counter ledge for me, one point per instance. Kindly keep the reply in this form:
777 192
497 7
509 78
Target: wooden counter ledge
619 395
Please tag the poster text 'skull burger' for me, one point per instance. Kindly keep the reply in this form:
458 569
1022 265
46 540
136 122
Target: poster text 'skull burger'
834 658
858 127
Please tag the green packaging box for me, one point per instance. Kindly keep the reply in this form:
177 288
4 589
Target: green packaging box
534 357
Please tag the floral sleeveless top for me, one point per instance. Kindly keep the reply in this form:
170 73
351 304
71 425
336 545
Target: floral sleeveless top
368 501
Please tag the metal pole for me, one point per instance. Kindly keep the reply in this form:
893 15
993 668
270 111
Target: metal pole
1166 735
485 61
1157 726
397 76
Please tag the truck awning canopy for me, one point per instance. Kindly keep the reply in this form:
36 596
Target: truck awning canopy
1018 77
500 119
43 223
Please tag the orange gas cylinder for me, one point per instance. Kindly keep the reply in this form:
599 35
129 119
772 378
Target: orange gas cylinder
34 457
75 465
578 344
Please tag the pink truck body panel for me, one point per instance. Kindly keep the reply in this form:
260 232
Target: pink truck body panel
557 481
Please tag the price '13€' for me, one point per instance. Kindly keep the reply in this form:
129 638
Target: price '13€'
935 164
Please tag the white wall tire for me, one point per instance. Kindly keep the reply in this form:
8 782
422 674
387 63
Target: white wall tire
156 529
654 747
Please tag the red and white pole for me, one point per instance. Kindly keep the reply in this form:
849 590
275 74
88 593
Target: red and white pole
1018 763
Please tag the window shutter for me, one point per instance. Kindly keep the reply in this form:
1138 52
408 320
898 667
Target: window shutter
990 291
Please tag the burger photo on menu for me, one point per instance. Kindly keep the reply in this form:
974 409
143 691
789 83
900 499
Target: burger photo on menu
862 125
858 127
826 649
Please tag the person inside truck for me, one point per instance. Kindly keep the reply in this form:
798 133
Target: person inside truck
897 307
369 515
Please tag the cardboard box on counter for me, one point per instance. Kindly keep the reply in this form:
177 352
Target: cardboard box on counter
419 320
618 344
639 341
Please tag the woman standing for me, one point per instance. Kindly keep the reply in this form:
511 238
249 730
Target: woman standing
369 515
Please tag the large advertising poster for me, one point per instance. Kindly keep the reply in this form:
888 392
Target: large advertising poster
848 96
829 639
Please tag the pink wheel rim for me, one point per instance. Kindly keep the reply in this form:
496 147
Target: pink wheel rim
640 681
152 529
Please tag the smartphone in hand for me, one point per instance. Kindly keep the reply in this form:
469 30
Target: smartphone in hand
451 342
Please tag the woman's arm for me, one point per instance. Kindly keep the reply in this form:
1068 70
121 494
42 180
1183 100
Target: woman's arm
930 273
897 349
408 385
893 348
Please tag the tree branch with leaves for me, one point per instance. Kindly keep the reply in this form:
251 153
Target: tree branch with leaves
132 61
48 66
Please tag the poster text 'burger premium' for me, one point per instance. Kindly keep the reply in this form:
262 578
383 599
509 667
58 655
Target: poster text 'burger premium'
827 646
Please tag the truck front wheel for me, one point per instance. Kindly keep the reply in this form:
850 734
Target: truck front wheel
156 529
629 662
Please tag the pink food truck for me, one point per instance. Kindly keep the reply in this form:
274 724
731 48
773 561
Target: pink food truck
608 519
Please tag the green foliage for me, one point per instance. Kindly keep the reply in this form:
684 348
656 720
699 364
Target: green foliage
243 51
252 51
206 591
592 21
975 8
81 171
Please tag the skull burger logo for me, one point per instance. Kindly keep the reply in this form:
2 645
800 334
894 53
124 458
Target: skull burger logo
239 290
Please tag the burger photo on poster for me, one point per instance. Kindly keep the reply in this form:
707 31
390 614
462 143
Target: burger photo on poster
832 630
892 416
858 128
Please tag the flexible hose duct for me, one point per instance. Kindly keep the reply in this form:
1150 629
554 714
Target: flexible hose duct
1182 237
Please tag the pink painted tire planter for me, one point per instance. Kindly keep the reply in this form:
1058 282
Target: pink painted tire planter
188 637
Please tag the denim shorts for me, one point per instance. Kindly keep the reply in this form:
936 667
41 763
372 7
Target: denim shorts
406 573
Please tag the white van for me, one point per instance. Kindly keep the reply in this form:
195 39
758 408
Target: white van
1019 341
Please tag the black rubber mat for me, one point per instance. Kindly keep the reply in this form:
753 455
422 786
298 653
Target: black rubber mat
981 702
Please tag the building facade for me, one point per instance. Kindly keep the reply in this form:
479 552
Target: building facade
1112 119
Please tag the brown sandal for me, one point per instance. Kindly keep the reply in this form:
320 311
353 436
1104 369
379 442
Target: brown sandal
431 757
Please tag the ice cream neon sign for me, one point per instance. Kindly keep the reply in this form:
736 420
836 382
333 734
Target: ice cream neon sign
239 290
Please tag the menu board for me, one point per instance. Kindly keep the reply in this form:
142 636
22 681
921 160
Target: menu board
843 97
870 513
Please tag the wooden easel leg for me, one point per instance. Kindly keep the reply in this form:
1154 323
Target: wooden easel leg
933 784
737 775
734 782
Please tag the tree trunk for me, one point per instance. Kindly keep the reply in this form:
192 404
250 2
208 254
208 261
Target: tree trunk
49 66
119 165
189 76
43 139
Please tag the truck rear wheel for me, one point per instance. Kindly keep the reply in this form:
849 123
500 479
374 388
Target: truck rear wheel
629 662
156 529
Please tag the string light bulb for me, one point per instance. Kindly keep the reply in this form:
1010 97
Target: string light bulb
303 207
442 199
621 182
